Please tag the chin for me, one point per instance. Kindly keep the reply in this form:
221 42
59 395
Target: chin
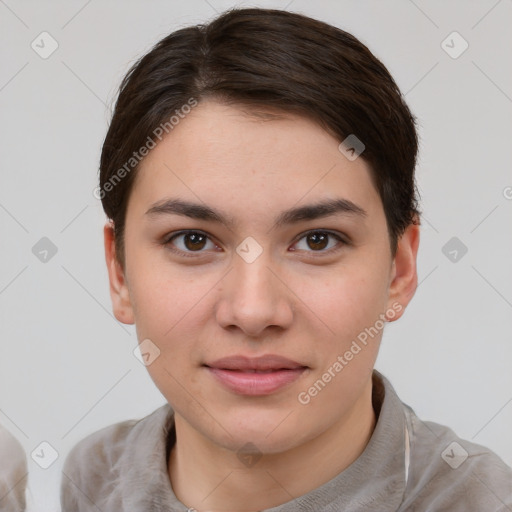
259 443
269 431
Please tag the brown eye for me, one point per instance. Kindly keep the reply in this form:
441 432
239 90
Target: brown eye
194 241
319 241
189 241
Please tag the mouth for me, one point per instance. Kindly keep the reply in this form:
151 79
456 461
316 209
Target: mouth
255 376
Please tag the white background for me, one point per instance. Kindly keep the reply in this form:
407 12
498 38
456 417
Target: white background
66 365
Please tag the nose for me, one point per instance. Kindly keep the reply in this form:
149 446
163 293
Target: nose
254 297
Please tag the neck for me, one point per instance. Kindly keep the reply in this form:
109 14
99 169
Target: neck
206 476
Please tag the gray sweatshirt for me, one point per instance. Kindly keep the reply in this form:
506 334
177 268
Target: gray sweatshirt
408 465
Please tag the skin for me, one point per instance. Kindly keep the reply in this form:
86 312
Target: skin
303 301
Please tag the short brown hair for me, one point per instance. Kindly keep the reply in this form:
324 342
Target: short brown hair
274 59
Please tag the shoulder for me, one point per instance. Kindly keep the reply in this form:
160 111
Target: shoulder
11 450
13 472
97 462
450 473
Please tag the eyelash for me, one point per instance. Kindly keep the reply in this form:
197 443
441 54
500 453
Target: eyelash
194 254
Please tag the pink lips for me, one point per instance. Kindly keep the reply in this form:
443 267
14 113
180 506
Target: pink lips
255 376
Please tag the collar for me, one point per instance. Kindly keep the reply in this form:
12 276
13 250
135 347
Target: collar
374 482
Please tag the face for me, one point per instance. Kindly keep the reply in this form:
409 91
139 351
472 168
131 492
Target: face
294 295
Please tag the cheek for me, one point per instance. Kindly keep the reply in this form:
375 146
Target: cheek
164 295
347 300
170 314
172 310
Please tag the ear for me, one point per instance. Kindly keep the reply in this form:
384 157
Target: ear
119 293
404 275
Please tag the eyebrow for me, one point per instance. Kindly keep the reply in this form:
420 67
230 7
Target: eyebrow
292 216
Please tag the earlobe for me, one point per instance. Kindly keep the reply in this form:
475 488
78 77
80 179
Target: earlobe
119 293
404 277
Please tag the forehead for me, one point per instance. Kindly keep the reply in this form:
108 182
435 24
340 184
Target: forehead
225 155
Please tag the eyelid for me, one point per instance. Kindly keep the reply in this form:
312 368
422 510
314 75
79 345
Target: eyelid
170 237
342 241
166 241
340 236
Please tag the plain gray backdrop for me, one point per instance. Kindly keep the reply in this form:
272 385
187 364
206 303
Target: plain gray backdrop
67 366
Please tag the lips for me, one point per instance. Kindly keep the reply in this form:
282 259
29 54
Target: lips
255 376
267 362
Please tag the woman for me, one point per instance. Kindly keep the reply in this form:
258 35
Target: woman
258 178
